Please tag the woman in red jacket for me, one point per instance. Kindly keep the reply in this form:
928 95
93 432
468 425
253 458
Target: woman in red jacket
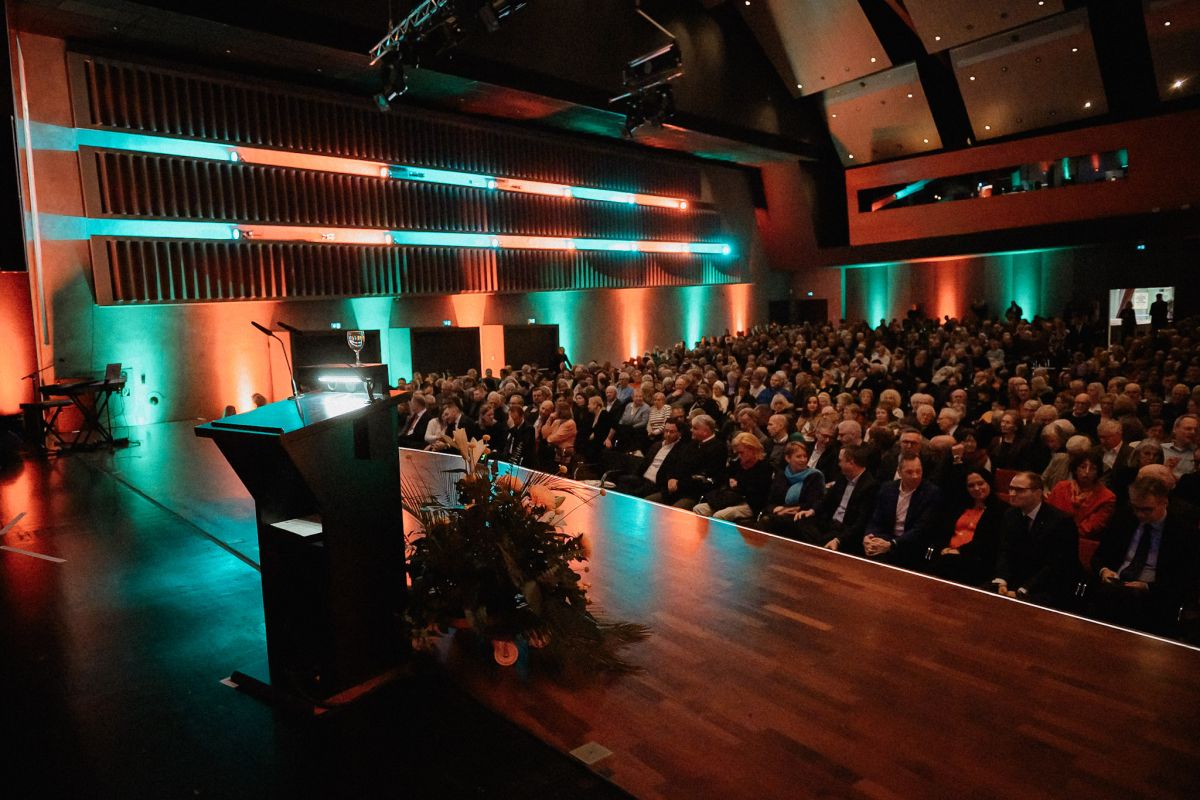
1089 502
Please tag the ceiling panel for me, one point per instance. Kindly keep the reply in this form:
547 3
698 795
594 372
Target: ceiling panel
1041 75
824 42
943 24
880 117
1173 27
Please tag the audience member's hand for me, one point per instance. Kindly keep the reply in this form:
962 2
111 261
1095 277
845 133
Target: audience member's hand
733 483
832 544
805 513
1137 586
950 551
1108 576
672 485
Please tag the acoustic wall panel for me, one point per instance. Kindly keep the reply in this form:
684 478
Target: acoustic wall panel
158 157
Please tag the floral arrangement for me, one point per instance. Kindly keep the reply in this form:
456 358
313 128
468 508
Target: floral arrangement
495 559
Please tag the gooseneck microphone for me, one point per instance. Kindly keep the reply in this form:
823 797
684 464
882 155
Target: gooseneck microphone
286 360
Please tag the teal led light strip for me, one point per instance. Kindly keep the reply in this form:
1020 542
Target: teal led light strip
64 228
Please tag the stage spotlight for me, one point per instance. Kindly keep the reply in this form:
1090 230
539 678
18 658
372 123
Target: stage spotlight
650 108
392 80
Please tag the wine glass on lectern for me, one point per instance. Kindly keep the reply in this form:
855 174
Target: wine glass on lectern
356 340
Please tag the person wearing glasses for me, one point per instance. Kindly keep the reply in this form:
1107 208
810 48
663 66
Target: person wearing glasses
1039 547
1147 563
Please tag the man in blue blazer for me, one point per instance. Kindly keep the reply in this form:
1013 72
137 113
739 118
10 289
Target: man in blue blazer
907 513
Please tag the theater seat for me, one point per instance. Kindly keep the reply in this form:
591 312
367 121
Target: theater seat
1003 479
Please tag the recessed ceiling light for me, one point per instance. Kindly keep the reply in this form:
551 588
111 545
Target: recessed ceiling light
1177 84
872 59
1088 104
850 156
937 38
926 141
1167 24
1074 49
799 85
833 115
1041 2
910 95
972 77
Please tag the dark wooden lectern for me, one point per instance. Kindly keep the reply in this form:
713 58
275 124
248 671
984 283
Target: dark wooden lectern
326 490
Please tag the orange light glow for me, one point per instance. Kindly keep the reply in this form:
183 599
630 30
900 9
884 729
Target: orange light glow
469 309
281 158
491 348
739 305
17 331
950 280
633 319
296 233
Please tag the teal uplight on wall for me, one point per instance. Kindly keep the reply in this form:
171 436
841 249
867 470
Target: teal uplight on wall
695 313
562 309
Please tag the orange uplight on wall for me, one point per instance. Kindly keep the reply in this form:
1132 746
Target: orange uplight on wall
633 318
469 309
951 283
17 331
491 348
739 305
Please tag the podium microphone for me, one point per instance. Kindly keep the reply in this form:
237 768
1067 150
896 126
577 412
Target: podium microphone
286 360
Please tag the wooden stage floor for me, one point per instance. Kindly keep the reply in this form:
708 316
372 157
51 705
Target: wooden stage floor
776 669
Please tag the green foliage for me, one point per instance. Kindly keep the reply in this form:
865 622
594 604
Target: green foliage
499 560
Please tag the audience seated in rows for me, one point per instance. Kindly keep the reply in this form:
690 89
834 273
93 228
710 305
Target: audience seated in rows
998 453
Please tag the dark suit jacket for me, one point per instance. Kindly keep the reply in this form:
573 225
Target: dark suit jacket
1045 560
828 462
1176 574
706 467
920 523
676 465
849 531
976 562
521 447
471 426
416 439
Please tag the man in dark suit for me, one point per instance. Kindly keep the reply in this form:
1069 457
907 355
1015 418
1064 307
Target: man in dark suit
839 522
521 445
1147 563
911 443
824 455
904 523
1039 548
665 465
1115 454
412 428
1082 418
453 418
706 462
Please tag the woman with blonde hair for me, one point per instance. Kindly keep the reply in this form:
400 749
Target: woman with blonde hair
744 494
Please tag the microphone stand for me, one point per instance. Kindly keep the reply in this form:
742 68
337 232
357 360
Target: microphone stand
35 376
288 362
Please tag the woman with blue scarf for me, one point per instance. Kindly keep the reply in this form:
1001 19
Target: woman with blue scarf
797 487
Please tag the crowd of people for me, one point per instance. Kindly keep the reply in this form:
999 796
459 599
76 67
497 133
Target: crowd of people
1026 457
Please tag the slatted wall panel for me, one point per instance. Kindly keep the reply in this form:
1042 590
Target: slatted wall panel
129 185
154 100
186 271
162 187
